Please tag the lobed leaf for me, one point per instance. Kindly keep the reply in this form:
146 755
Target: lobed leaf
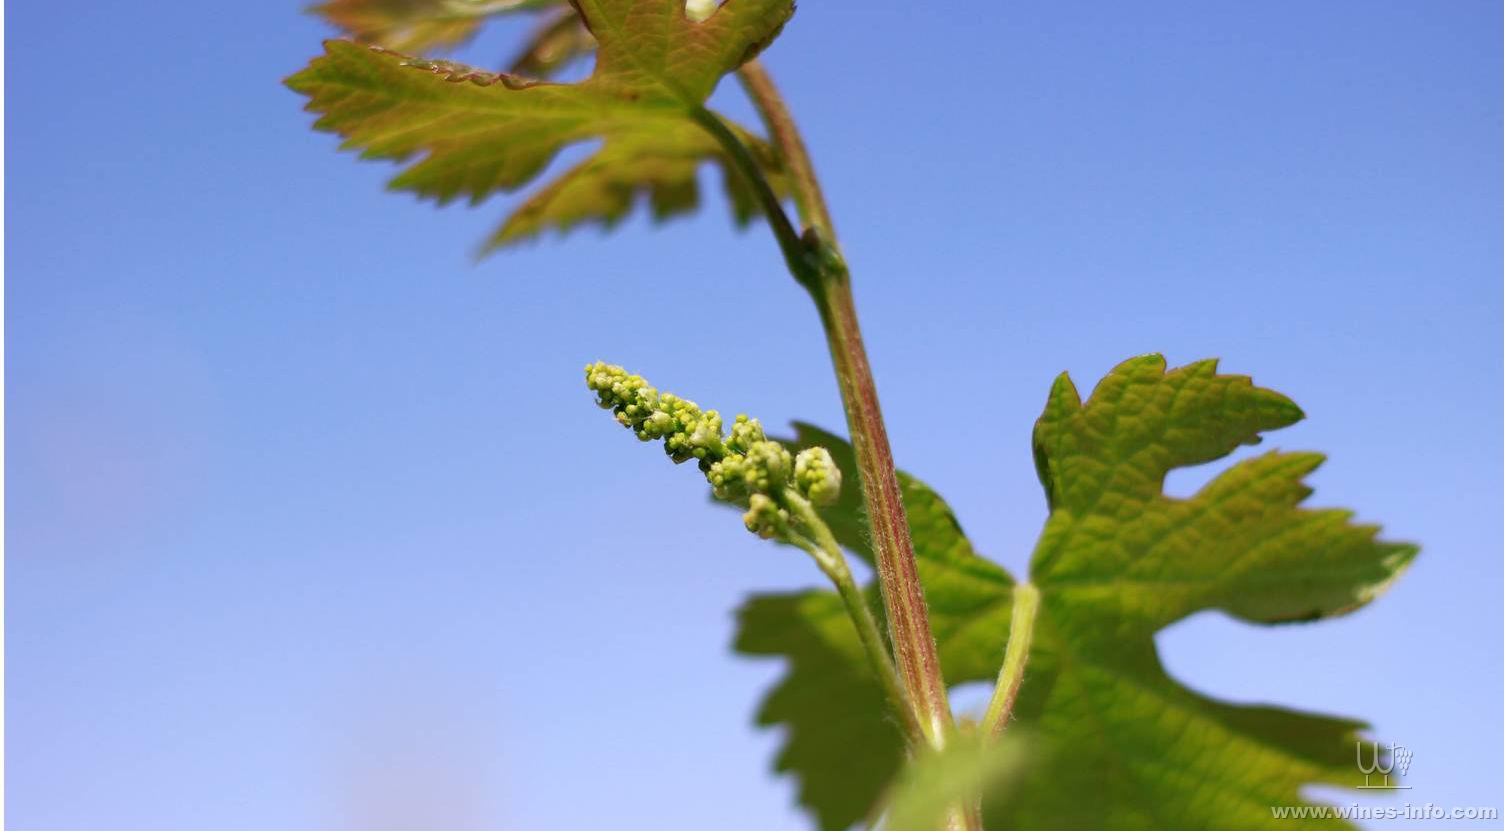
476 133
417 25
561 38
1116 742
839 741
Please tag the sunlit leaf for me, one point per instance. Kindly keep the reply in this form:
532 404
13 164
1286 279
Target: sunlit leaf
417 25
1121 745
477 133
561 38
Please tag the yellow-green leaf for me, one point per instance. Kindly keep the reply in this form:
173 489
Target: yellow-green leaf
417 25
558 40
476 133
663 172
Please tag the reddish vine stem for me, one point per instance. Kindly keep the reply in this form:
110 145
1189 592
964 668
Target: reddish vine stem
898 576
786 137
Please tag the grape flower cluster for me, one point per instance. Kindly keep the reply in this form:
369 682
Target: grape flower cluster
743 465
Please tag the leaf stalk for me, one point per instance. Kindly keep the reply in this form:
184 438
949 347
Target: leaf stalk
1015 656
797 255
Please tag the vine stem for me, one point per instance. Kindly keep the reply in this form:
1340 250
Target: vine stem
898 573
815 260
1015 656
776 116
817 263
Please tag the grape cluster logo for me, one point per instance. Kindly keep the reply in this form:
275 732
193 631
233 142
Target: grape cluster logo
1395 759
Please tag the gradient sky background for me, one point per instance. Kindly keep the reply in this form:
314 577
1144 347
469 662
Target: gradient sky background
312 525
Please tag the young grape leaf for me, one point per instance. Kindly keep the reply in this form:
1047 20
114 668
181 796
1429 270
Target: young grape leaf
1116 742
604 188
840 742
424 25
417 25
479 132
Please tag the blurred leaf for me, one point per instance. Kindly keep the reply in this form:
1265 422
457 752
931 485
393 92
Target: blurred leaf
966 771
603 188
1121 745
417 25
422 26
479 132
558 40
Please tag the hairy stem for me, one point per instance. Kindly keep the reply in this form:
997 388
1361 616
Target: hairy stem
1015 656
898 577
817 264
786 136
827 553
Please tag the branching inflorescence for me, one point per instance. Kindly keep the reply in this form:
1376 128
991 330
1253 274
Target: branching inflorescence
780 490
744 466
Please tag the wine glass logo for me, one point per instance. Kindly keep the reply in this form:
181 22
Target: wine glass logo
1395 758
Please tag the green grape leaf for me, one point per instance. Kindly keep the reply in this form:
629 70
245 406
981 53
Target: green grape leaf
417 25
479 133
840 741
1116 742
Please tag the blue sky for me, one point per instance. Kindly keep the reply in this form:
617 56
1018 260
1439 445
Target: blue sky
311 523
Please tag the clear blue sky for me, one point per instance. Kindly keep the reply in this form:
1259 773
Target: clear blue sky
312 525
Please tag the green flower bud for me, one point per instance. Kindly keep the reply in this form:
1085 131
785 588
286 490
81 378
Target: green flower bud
745 433
726 477
658 424
817 476
768 467
628 396
693 431
765 518
745 464
704 436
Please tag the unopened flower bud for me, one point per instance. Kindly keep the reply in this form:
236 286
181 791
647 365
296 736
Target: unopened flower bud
768 466
726 477
765 518
817 476
745 433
